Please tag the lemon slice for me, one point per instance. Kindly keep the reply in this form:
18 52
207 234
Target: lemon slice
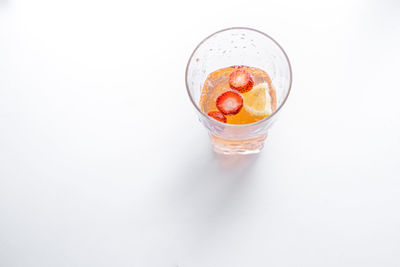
258 100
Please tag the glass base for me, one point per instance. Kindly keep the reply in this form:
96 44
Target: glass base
237 146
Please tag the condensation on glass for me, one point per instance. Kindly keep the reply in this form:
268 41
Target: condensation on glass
238 46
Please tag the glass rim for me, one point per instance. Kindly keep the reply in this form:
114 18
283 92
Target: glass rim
238 125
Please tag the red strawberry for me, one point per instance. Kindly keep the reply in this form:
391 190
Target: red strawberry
241 80
230 102
217 115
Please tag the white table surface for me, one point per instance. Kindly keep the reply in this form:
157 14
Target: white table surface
104 163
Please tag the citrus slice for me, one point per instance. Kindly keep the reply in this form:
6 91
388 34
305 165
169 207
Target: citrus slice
258 100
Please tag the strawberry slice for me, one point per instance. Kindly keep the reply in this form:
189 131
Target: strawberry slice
239 66
230 102
217 115
241 80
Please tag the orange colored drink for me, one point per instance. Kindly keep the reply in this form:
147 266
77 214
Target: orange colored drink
258 102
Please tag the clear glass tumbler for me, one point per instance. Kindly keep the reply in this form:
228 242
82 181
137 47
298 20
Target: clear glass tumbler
238 46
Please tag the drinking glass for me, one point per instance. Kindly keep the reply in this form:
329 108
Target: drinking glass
238 46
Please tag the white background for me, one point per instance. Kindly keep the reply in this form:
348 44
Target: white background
104 163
